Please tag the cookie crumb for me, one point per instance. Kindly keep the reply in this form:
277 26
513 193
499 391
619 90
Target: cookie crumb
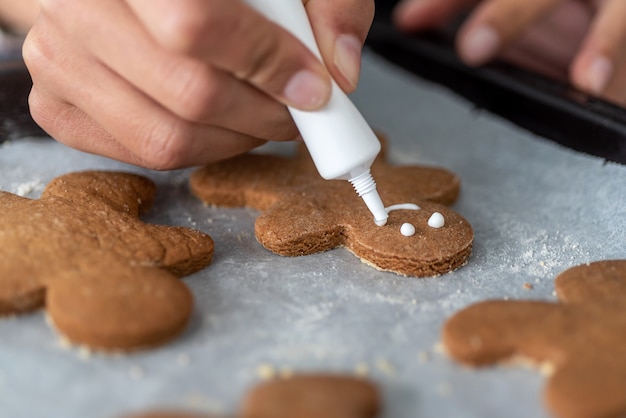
528 286
27 188
385 366
63 342
546 369
361 369
439 348
266 371
84 352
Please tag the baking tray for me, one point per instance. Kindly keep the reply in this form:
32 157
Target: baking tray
529 200
546 107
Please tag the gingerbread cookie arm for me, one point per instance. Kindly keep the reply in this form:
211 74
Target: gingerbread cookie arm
397 184
492 331
122 192
600 282
249 180
183 251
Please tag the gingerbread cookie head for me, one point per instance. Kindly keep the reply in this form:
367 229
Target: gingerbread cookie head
313 396
304 214
583 337
107 280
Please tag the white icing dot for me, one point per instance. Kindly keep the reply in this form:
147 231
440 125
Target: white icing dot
407 229
436 220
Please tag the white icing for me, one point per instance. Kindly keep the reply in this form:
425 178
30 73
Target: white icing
407 206
407 229
436 220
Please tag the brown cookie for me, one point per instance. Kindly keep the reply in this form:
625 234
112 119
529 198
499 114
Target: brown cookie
313 396
304 214
583 337
108 280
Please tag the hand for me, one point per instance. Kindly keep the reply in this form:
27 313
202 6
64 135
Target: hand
582 40
167 84
18 15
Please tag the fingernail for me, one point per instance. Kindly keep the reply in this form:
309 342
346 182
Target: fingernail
480 45
600 72
306 90
348 57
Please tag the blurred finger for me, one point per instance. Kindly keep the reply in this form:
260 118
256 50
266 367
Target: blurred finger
603 54
550 45
427 14
494 24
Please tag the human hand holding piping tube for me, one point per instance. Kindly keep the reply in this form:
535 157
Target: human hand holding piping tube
167 84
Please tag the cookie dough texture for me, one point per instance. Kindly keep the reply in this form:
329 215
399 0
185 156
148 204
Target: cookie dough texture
305 214
107 280
583 336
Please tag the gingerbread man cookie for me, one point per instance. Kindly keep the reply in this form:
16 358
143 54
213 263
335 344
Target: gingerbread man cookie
583 337
313 396
305 214
107 280
300 396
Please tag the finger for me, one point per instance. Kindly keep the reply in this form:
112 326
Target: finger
427 14
146 133
550 45
494 24
187 87
603 52
18 15
340 28
616 89
72 127
237 39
